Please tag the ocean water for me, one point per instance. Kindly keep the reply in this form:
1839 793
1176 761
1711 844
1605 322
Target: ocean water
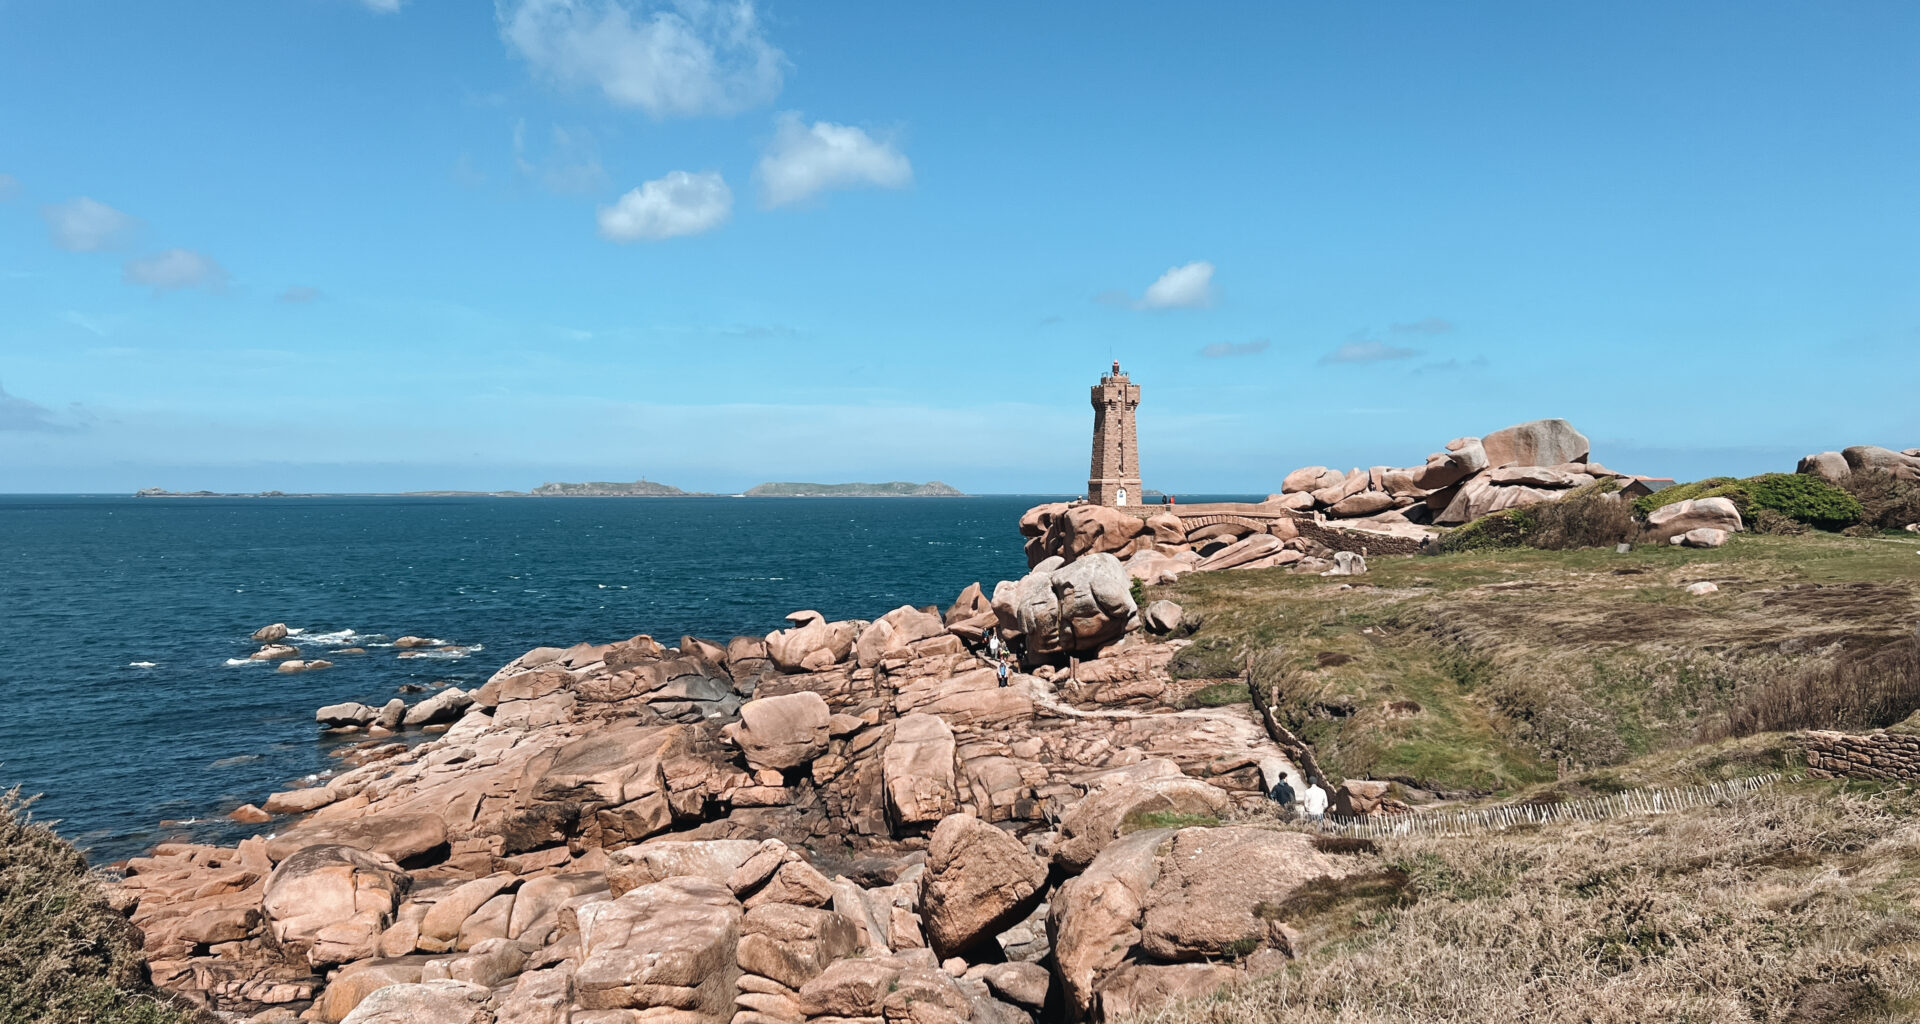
126 699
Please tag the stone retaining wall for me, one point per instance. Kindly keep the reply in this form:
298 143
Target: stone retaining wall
1363 542
1870 755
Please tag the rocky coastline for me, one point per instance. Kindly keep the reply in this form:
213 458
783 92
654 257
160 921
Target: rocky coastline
838 821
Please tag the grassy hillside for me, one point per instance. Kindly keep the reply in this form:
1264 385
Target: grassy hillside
1485 672
65 955
1792 905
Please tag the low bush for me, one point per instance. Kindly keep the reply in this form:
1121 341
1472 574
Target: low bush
1862 691
1795 496
1583 519
1711 487
65 955
1803 499
1586 518
1504 529
1770 522
1886 501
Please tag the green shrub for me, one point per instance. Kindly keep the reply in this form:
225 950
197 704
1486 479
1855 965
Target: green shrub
1802 498
65 955
1504 529
1711 487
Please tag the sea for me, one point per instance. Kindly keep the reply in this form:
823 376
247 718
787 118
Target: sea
128 703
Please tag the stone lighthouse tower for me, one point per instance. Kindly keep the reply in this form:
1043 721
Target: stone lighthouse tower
1115 477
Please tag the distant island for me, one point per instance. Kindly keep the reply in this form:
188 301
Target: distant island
892 489
162 492
604 489
614 489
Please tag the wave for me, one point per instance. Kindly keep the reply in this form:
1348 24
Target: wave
141 664
337 638
443 653
246 661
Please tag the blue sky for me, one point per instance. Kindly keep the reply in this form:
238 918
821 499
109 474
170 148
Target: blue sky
396 244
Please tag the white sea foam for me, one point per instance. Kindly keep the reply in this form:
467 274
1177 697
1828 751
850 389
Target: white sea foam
296 630
444 653
246 661
337 638
140 664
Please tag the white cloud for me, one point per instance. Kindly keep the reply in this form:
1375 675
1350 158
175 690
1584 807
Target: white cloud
1424 325
678 204
1226 349
383 6
1184 287
9 187
92 325
805 160
299 293
669 59
175 269
1367 350
87 225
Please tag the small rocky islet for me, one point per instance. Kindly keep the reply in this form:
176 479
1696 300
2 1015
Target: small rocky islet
840 822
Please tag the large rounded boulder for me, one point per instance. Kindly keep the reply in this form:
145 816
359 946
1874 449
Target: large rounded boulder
330 902
980 881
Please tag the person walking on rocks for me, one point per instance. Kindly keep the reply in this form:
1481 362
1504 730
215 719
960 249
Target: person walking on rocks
993 645
1003 672
1314 802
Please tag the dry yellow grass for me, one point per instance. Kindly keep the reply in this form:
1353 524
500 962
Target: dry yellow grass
1795 905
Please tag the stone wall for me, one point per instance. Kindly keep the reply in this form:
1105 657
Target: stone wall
1871 755
1363 542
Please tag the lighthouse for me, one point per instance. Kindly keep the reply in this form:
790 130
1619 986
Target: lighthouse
1115 475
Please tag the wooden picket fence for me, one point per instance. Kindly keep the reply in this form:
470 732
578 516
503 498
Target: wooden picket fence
1652 800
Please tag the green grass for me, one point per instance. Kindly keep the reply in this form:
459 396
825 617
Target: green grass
1219 695
1167 819
1529 665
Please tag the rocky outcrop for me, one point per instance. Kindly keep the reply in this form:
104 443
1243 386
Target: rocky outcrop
782 732
670 945
767 831
1081 606
1537 443
1838 467
1160 897
1519 465
330 903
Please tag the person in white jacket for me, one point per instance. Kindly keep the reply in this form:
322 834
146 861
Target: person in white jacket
1314 802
